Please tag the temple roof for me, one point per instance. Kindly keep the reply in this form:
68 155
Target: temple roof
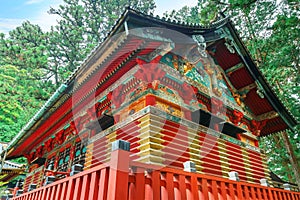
223 44
9 171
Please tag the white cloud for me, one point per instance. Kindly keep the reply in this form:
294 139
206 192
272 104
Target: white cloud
8 24
45 20
33 1
42 18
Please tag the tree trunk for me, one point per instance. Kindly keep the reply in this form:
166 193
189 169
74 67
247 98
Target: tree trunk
293 159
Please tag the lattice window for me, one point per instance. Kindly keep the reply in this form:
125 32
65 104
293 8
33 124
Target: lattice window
63 161
80 151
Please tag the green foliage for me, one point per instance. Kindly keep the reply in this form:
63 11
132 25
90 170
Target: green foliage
26 48
17 102
83 25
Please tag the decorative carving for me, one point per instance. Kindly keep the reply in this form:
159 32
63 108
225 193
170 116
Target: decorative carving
260 91
117 97
201 44
268 115
60 137
247 88
217 106
229 45
236 117
239 99
76 125
169 109
257 126
49 144
187 93
149 72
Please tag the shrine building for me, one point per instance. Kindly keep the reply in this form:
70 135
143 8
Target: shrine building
159 110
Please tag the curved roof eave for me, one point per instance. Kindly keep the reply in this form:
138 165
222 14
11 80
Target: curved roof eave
283 112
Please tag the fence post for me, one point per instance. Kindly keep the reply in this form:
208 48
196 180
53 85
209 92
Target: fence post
119 171
264 182
189 166
286 186
234 176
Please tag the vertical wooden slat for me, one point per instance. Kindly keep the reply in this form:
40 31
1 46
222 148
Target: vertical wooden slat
48 189
231 191
170 185
155 177
102 190
58 192
284 196
77 188
280 195
246 192
293 197
163 191
140 184
182 186
288 195
266 196
204 188
253 193
239 191
53 191
131 191
271 197
43 194
274 194
259 193
64 191
34 195
148 190
194 187
223 190
94 186
85 187
40 194
28 196
214 188
70 189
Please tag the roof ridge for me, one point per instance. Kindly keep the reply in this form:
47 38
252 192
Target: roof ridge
181 23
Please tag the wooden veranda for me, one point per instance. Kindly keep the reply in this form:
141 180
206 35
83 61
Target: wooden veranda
122 179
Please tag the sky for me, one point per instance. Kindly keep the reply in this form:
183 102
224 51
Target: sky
14 12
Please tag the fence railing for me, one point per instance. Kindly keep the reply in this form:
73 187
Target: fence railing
122 179
168 183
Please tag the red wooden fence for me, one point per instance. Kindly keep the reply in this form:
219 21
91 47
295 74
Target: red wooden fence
125 180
